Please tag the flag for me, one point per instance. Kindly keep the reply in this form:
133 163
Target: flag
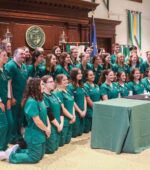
93 39
124 49
134 25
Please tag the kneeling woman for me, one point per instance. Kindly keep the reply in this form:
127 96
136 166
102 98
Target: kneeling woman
68 108
54 106
38 126
108 88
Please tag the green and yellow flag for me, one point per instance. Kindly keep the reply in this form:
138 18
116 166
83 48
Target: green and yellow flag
134 25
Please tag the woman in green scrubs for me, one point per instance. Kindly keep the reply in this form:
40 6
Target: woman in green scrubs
146 63
38 126
77 91
64 66
135 85
120 65
55 105
146 80
97 67
6 119
68 108
108 88
92 95
36 69
133 63
122 85
51 63
84 65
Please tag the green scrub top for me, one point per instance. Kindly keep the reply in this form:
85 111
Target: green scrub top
111 91
61 70
68 102
113 58
52 101
136 88
93 93
3 85
131 68
38 71
144 66
78 93
19 76
146 83
123 89
34 108
97 72
118 68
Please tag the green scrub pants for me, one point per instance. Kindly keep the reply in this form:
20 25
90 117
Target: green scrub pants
88 124
18 116
52 143
78 126
3 130
33 154
10 124
66 134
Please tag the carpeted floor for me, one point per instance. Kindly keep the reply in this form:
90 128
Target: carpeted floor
79 156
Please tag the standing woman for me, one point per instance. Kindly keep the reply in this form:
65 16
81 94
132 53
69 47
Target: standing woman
122 85
64 66
68 108
84 65
97 67
135 85
133 62
120 65
108 88
51 63
146 80
57 52
6 119
77 91
55 108
93 95
38 126
36 69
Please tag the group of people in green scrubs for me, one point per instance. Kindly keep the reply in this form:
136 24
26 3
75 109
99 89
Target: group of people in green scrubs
52 96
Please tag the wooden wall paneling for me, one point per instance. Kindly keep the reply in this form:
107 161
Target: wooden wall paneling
52 16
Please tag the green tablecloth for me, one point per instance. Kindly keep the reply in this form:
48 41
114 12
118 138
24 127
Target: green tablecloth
121 125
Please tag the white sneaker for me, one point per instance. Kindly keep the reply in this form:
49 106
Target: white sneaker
2 155
11 150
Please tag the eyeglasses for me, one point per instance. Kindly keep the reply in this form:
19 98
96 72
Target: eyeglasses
50 82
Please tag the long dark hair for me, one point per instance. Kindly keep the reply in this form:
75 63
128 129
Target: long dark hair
104 61
103 77
130 60
35 55
132 73
73 76
49 67
33 89
63 56
119 75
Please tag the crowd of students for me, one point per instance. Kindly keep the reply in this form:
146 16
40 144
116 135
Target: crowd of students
52 96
